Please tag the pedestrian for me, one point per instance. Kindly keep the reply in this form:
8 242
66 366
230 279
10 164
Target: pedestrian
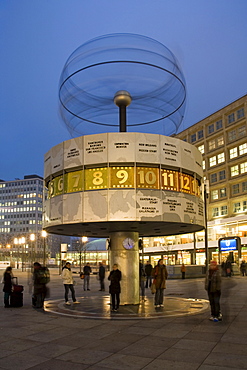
213 287
142 279
87 270
102 276
115 288
7 287
183 270
41 277
68 282
228 268
243 267
148 272
160 276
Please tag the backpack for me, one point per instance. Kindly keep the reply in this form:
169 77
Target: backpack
43 275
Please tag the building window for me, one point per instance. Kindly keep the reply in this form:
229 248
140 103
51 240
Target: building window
234 171
212 161
231 118
203 165
200 134
221 157
223 192
236 207
219 124
232 135
240 113
215 212
222 175
235 189
201 149
211 145
214 194
213 178
233 152
242 131
211 128
243 167
244 186
243 149
220 141
193 138
223 210
245 205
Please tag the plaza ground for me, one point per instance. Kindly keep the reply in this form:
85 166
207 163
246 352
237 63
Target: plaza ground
88 336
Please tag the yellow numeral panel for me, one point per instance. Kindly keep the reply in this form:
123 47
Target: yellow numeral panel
96 178
122 177
147 178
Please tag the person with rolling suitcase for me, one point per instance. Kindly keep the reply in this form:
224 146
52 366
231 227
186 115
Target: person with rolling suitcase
16 297
7 287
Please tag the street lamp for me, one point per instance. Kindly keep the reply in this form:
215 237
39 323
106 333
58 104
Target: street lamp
44 235
32 238
84 240
22 241
16 243
206 193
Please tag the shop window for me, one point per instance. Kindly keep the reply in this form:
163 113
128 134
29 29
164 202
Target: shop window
235 189
243 149
234 171
193 138
220 141
215 212
223 192
219 124
201 149
214 194
233 152
236 207
232 135
231 118
211 145
221 157
243 167
240 113
222 175
212 161
213 178
200 134
223 210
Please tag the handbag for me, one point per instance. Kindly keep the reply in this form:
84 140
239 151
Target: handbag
82 275
153 288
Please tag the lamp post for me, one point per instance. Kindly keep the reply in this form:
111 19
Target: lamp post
206 192
32 238
84 240
44 235
22 241
16 244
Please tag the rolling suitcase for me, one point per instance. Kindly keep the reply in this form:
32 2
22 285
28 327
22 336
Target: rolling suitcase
16 297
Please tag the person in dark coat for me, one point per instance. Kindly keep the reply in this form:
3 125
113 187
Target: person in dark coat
148 273
243 267
7 287
213 287
102 276
39 287
160 275
114 288
87 271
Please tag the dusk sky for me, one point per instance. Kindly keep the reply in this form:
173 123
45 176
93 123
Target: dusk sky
208 37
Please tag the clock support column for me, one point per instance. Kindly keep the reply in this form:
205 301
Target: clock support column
127 257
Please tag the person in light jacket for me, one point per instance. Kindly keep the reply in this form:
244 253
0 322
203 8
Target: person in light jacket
68 283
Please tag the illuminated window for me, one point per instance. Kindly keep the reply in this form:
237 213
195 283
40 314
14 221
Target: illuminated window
233 152
221 157
243 149
243 167
201 149
245 205
203 165
223 210
223 192
214 194
235 189
242 131
220 141
219 124
215 212
211 145
234 171
232 135
236 207
231 118
212 161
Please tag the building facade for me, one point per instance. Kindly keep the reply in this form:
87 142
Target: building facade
222 140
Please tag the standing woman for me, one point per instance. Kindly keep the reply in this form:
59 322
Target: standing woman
213 287
7 288
160 275
114 288
68 283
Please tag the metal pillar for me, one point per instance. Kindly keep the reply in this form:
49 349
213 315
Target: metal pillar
128 264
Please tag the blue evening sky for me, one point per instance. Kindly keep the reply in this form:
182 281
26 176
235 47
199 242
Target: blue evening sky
208 37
